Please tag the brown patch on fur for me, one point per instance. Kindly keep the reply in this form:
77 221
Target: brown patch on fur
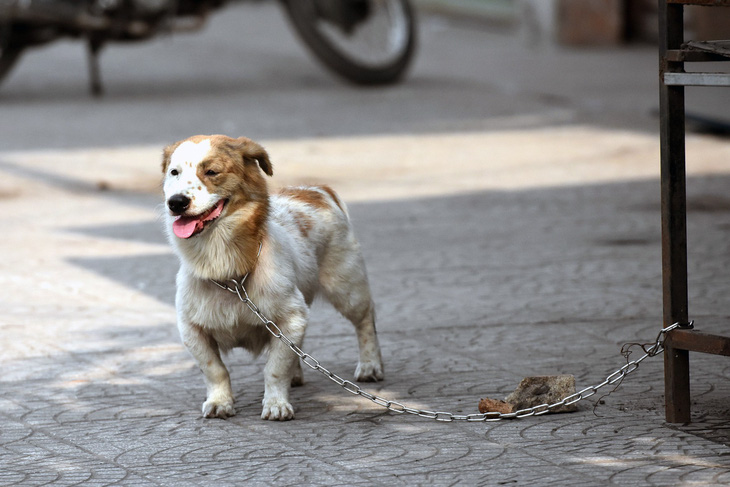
249 233
333 195
313 197
242 148
304 223
245 188
242 157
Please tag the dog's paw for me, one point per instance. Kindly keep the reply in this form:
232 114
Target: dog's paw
218 409
369 372
277 410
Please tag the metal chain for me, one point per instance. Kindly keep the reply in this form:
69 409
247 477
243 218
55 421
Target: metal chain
397 407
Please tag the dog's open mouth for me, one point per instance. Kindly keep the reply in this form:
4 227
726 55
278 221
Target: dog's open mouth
187 226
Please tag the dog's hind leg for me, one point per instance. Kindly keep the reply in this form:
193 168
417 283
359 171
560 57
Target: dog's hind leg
344 283
370 366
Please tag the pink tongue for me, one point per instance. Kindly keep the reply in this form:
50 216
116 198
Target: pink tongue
184 227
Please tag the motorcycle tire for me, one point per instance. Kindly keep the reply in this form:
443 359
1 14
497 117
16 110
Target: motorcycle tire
342 34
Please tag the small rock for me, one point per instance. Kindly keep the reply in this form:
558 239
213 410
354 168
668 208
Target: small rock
548 389
488 405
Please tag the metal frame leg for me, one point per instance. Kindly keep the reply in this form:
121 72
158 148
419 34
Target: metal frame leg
674 216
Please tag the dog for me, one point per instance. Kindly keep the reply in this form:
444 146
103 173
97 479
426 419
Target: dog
294 245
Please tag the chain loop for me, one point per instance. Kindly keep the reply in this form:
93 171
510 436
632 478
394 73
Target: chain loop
396 407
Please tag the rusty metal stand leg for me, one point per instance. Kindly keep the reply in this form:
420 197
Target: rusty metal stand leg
676 386
674 216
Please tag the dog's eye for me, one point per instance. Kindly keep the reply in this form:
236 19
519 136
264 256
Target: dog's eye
174 172
211 172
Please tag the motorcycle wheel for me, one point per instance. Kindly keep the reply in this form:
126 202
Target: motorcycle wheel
368 42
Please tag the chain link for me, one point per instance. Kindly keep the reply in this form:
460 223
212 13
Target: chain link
238 288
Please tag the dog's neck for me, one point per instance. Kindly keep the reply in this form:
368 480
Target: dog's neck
230 249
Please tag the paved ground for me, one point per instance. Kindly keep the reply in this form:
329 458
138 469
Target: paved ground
509 217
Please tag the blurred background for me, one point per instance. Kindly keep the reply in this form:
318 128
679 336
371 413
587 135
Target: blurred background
479 64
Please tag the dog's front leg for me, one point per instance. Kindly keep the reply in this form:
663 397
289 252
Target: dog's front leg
202 346
281 366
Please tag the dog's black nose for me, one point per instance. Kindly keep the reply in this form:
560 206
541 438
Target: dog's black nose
178 203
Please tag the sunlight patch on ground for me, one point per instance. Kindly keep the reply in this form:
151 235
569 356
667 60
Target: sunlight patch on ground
403 166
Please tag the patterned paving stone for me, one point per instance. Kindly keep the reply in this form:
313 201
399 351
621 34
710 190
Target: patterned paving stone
118 402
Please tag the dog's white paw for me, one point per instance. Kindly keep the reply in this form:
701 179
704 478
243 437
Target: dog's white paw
217 408
277 409
369 372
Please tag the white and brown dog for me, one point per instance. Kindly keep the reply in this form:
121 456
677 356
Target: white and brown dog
220 213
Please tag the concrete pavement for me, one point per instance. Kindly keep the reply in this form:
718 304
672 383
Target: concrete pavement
500 248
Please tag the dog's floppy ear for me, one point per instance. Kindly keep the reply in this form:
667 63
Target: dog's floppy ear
251 151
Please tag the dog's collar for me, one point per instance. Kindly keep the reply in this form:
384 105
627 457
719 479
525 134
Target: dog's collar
235 285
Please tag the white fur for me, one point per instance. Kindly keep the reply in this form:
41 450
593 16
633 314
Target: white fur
291 270
185 162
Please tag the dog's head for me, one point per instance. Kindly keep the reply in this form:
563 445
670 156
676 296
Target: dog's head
207 178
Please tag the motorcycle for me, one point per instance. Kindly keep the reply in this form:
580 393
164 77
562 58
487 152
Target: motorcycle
367 42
